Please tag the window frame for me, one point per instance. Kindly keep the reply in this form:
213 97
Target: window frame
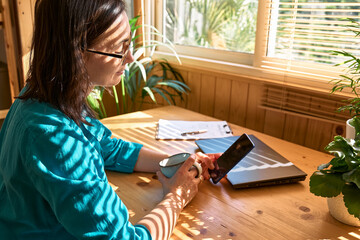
247 65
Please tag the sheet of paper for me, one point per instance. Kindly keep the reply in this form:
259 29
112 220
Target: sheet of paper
173 129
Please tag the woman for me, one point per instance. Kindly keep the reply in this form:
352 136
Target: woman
53 151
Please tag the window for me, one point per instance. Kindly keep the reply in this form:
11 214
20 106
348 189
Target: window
288 41
225 25
302 35
309 29
129 8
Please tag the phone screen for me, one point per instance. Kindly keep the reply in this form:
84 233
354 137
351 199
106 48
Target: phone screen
237 151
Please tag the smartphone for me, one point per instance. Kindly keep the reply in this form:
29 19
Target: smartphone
237 151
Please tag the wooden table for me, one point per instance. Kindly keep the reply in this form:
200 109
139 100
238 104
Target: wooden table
218 211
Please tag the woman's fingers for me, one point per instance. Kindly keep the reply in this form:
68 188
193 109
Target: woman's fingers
206 160
188 163
188 167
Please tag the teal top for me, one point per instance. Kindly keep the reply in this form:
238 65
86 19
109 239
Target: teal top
52 177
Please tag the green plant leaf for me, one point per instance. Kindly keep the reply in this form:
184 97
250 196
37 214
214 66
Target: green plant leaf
142 69
179 84
161 93
147 90
145 60
133 21
137 54
323 166
94 104
326 184
153 80
353 177
355 122
338 165
173 85
351 198
340 147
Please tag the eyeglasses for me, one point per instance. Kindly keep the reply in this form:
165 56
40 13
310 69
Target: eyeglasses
126 47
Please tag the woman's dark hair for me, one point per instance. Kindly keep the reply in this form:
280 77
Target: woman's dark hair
63 29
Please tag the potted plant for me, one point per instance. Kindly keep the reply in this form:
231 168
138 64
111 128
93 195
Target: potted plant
339 180
349 81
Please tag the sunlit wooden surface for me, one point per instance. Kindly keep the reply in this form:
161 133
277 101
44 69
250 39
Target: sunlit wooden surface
3 113
219 211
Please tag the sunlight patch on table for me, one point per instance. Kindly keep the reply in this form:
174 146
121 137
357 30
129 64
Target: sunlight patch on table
113 186
199 223
180 234
354 235
131 213
188 228
187 215
138 115
145 179
119 125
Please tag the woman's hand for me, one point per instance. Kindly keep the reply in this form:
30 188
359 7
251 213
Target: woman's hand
207 161
184 183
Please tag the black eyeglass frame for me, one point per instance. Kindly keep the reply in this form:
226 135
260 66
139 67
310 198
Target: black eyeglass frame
115 55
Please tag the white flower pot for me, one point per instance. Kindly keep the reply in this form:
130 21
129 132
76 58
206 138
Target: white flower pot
339 211
350 130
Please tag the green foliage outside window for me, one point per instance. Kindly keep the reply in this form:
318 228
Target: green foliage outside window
219 24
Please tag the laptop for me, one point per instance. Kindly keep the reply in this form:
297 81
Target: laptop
261 167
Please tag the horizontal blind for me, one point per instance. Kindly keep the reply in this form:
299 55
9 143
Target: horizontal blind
303 33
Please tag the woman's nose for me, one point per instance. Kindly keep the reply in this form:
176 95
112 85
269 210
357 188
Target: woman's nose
129 58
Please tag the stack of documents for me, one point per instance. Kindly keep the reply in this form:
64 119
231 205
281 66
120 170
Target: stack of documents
173 129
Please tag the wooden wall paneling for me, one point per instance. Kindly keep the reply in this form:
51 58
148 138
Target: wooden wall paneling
238 102
274 123
318 134
222 98
109 101
11 49
254 114
184 74
5 96
295 129
338 130
148 102
345 113
159 99
208 89
25 10
194 82
176 98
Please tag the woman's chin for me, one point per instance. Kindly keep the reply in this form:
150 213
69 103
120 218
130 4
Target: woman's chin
115 80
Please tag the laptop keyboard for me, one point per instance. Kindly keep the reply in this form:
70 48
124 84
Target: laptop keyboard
256 161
